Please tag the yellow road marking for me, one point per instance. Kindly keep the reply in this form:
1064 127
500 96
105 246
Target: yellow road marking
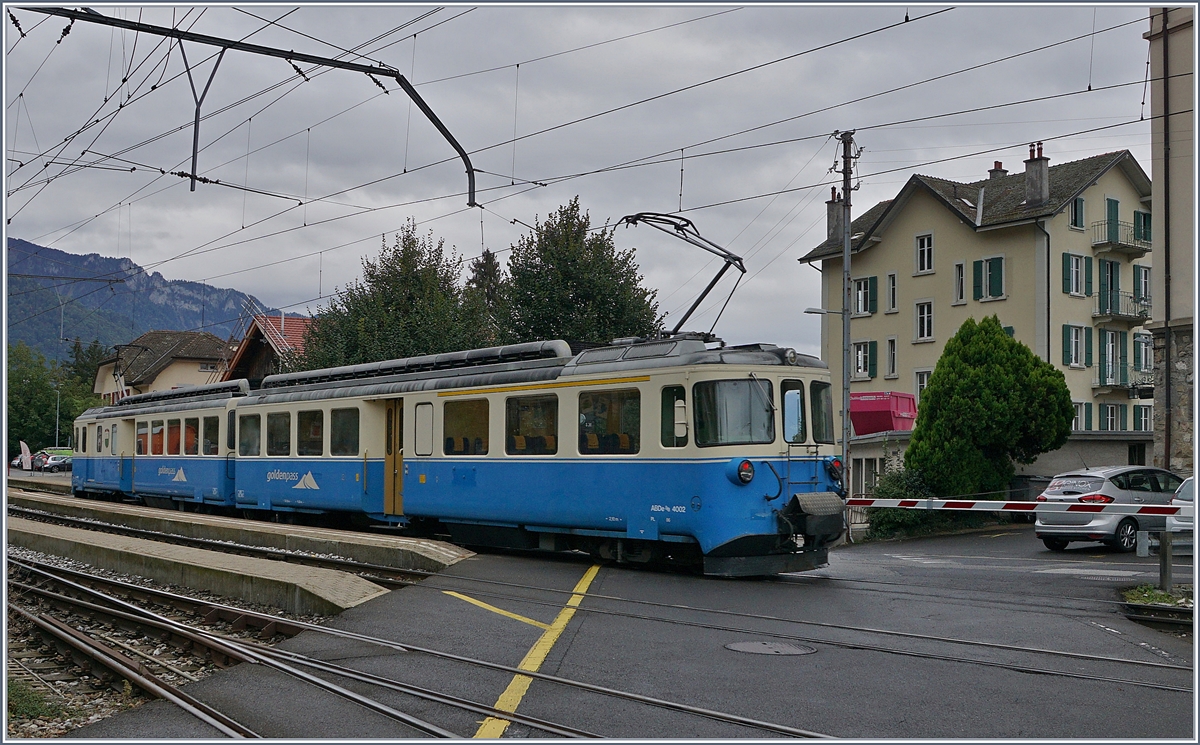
541 386
494 609
493 728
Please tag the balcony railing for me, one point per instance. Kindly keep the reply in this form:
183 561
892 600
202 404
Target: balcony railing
1111 375
1121 305
1112 235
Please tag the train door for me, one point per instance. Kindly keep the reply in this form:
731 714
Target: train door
393 496
122 446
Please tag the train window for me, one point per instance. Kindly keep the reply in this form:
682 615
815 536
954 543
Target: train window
310 433
113 451
156 437
671 394
343 432
822 411
191 436
531 425
143 438
466 427
279 433
734 412
610 422
424 430
99 440
231 431
212 435
173 439
792 392
107 441
249 434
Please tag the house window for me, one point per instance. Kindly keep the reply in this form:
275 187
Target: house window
1110 416
864 359
891 357
891 292
1142 421
924 321
988 278
1141 283
1143 352
863 296
1077 213
208 367
1073 346
1073 283
924 253
1141 226
922 382
960 282
1077 422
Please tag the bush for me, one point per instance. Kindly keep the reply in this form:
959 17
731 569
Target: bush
26 703
903 483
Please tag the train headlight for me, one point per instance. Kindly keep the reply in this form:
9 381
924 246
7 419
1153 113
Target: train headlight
745 472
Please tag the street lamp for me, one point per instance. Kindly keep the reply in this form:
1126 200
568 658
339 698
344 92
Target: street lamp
845 393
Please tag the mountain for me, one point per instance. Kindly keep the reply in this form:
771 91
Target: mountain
39 305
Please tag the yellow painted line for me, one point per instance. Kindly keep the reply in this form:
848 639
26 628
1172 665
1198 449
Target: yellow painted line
544 386
493 728
494 609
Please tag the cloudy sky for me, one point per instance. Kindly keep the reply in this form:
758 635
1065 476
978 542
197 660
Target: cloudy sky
315 171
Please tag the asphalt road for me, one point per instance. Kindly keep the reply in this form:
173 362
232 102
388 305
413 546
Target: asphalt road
667 635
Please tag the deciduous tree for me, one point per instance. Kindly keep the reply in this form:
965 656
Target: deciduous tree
567 281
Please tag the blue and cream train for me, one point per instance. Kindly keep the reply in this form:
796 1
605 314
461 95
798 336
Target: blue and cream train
671 450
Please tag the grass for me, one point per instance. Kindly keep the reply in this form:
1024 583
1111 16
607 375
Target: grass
25 702
1180 596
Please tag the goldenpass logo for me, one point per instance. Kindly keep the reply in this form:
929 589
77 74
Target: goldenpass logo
278 475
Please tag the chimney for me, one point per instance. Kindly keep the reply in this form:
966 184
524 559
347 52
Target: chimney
834 211
998 171
1037 178
281 317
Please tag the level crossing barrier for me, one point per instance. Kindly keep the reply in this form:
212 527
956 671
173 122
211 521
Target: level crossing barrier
987 505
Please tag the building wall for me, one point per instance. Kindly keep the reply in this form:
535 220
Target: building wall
179 373
1174 420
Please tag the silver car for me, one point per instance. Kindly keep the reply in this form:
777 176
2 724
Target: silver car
1134 485
1184 497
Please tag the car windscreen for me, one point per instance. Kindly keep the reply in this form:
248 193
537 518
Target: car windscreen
1186 491
1074 484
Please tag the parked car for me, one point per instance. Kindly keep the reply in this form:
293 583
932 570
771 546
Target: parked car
1184 497
56 463
1135 485
16 462
38 461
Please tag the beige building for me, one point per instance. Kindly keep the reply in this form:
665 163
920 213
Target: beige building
159 361
1061 254
1172 64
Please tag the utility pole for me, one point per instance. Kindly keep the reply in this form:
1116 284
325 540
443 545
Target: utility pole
847 139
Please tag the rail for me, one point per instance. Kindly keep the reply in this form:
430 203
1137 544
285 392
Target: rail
1121 305
1118 236
1122 376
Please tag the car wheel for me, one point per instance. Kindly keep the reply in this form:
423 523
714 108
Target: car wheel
1056 544
1125 539
53 469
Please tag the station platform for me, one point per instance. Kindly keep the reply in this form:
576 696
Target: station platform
298 589
391 551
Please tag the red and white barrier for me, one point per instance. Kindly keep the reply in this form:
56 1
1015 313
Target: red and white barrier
984 505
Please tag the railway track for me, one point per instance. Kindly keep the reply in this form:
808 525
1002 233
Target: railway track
291 663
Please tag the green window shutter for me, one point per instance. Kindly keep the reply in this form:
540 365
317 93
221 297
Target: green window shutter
1087 276
1123 356
1138 272
1137 226
977 277
1137 420
1124 417
1012 332
1137 353
995 277
1103 412
872 294
1066 272
1078 212
1101 339
1146 233
872 351
1087 347
1087 416
1066 344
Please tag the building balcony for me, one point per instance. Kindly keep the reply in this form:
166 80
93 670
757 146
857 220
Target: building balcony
1111 377
1121 306
1118 237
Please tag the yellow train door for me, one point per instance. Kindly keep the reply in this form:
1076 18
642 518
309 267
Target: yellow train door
393 497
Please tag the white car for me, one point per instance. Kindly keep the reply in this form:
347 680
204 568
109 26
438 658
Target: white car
1184 497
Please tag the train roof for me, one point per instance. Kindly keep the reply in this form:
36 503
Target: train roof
506 365
175 399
